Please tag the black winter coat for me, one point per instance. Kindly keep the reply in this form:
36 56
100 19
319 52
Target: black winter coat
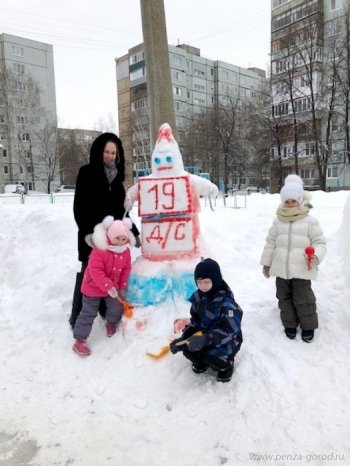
94 198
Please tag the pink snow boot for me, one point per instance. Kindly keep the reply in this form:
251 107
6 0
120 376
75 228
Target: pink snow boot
111 328
81 348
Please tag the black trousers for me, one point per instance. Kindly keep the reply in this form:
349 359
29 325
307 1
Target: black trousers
202 357
297 303
77 303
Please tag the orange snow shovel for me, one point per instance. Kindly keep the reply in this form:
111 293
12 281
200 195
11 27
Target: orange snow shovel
157 354
128 309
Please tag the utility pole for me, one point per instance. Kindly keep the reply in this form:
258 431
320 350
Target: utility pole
159 87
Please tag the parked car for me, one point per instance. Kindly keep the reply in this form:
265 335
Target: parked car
65 188
15 189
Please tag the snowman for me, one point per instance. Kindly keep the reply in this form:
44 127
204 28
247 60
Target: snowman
168 205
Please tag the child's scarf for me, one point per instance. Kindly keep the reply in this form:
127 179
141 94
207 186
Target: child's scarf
291 214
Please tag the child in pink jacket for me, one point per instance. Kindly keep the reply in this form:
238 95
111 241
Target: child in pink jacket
106 276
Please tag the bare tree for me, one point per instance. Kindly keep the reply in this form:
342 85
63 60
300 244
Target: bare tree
107 124
74 151
198 144
340 29
139 128
48 156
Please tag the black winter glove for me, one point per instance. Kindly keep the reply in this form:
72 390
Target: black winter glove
174 348
197 342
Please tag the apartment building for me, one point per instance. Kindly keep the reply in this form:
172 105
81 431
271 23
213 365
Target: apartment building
27 111
308 53
198 85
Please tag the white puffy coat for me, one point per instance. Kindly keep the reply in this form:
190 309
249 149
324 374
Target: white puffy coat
284 251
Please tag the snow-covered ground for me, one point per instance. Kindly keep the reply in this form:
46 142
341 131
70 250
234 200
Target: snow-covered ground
287 404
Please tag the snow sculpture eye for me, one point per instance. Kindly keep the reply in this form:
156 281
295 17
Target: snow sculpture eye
157 160
169 158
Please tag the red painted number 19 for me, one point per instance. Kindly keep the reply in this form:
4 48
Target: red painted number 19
168 190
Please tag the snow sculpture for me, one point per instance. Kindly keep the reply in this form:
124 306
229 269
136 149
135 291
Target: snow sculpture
168 204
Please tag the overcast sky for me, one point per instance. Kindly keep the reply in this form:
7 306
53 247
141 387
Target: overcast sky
88 35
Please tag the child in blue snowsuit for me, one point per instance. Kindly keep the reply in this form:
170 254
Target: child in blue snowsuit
213 337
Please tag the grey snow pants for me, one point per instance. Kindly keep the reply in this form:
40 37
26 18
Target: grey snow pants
83 324
297 303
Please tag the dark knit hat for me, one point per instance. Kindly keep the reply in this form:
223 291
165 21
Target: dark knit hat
208 268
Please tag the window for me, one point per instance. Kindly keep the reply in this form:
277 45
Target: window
280 66
224 88
177 76
18 51
29 169
307 173
277 3
336 4
24 137
4 153
137 57
199 72
139 104
21 120
21 103
198 87
21 170
18 68
137 74
332 172
176 90
177 106
309 148
20 86
335 126
302 105
6 169
298 59
2 118
177 60
224 74
2 137
334 53
280 109
334 28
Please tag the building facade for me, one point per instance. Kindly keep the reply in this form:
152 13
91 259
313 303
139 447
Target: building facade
28 119
309 52
198 85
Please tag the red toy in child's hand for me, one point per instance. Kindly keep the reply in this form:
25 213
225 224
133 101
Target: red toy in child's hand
309 251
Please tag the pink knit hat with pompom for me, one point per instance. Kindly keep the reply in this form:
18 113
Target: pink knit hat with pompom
118 228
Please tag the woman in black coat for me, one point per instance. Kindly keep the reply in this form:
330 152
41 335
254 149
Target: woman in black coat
99 192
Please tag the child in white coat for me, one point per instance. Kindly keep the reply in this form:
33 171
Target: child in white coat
294 248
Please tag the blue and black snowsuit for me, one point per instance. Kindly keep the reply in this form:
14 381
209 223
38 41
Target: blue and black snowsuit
217 316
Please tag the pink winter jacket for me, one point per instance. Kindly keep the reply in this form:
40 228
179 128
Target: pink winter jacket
105 270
